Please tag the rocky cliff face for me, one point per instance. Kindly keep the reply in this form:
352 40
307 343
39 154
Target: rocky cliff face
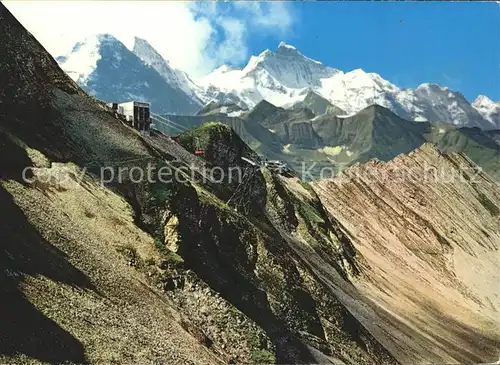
242 241
428 226
127 270
318 105
175 78
291 126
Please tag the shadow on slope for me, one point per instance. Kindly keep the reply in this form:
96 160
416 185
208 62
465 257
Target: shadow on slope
243 252
460 342
477 145
222 249
24 329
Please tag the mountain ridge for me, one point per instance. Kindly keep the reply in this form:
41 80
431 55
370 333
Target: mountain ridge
151 57
398 212
330 142
351 91
106 68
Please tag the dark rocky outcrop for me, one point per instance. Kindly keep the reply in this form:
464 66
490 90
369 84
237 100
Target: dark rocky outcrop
318 105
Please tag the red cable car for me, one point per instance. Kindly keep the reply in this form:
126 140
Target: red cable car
198 151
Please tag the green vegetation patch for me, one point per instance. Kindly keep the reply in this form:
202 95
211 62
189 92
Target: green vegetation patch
204 134
309 212
261 356
161 192
208 198
172 258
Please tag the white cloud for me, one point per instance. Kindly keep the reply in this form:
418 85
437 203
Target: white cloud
275 16
195 37
233 47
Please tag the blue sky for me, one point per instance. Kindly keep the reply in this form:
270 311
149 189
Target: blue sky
408 43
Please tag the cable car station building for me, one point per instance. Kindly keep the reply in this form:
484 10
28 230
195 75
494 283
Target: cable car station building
137 113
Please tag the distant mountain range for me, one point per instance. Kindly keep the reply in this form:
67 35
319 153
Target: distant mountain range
103 66
310 142
286 76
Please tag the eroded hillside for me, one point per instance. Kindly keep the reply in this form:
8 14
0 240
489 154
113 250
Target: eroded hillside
428 226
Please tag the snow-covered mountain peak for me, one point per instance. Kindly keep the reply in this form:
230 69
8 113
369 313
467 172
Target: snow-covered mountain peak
429 86
361 74
262 55
103 66
225 68
439 94
145 51
287 67
483 101
81 61
176 78
358 78
358 71
256 61
286 45
287 50
489 109
357 89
